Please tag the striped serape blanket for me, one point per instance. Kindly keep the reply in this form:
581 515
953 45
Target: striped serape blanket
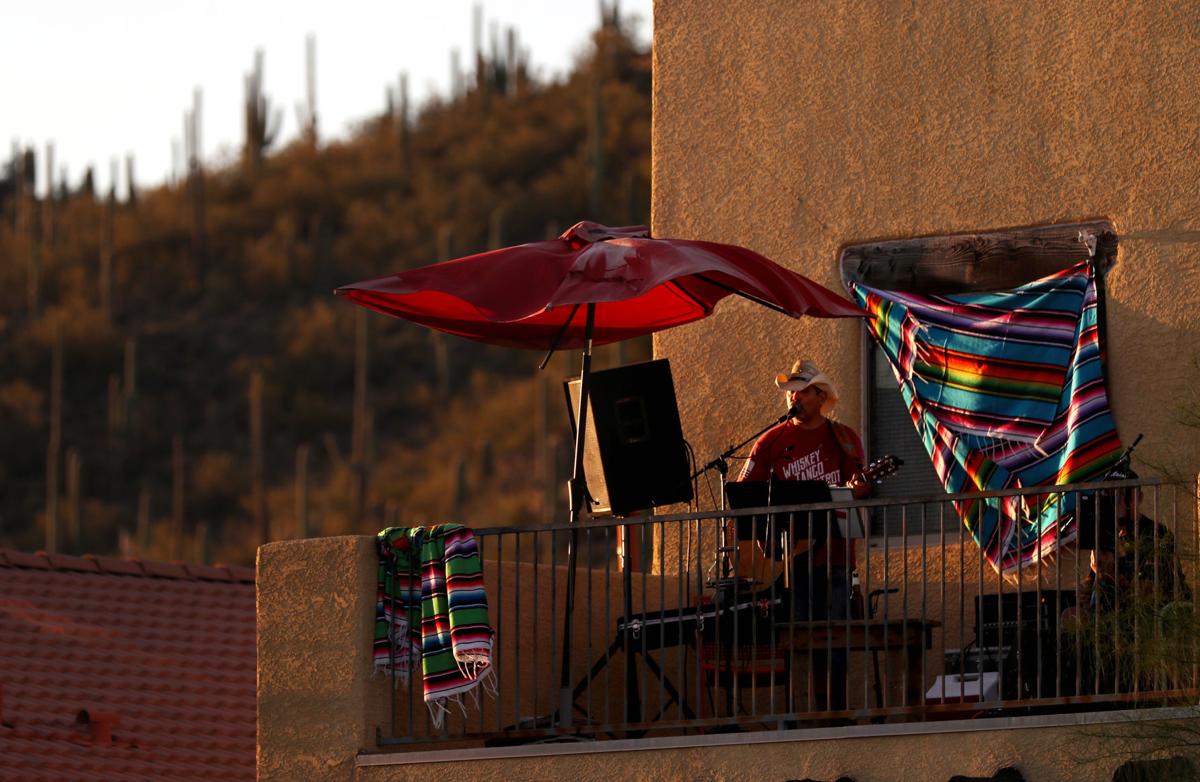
431 606
1006 390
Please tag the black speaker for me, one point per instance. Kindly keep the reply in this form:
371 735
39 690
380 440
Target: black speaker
633 453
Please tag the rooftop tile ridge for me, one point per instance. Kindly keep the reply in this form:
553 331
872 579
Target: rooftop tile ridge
109 565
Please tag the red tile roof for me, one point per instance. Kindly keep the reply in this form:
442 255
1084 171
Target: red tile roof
125 670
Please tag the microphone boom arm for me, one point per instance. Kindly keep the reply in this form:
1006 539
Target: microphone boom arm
721 463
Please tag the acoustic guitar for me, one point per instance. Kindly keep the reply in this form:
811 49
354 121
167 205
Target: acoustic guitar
753 562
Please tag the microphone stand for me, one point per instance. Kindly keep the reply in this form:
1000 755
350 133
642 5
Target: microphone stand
721 465
721 566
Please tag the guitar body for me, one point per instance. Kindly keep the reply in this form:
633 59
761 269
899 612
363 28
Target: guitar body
754 563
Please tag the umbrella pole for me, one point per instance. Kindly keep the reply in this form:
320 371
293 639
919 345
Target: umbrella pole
578 485
577 490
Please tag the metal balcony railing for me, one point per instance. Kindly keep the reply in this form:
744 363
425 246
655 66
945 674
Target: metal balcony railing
718 624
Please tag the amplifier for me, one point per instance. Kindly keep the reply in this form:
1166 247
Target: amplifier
1000 619
975 659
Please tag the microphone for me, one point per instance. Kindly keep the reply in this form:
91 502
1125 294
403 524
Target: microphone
792 412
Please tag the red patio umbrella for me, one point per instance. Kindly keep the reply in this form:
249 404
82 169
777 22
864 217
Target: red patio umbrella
529 295
628 284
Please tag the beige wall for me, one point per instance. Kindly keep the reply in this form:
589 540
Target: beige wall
1044 754
798 128
318 704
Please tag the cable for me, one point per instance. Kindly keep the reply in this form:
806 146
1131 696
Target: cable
694 506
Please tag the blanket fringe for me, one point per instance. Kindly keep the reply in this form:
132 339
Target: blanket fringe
437 711
439 705
1048 558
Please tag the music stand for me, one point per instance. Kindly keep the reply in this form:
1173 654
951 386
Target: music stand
764 494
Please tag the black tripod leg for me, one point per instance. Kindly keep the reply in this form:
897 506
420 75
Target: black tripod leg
582 685
669 686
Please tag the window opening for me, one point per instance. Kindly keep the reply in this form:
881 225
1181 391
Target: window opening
959 263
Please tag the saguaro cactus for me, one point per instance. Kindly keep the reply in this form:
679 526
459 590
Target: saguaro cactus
510 60
192 152
23 219
129 383
367 465
261 522
177 496
14 166
441 350
301 491
363 421
116 419
405 129
74 498
541 439
48 201
457 80
130 185
496 227
55 442
461 487
487 461
200 542
477 46
306 113
114 462
142 536
260 121
178 166
107 230
596 142
362 360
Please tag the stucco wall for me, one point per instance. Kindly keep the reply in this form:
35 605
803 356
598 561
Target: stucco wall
1041 754
798 128
318 704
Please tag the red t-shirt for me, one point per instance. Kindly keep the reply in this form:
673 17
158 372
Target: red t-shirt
832 453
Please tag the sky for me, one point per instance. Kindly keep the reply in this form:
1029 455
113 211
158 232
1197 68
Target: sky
104 80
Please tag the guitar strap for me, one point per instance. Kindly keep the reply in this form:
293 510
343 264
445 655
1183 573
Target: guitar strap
841 436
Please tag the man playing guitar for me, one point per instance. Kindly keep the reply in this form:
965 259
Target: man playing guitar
810 446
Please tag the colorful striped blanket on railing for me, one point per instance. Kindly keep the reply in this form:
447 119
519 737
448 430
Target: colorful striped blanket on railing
1006 390
431 606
